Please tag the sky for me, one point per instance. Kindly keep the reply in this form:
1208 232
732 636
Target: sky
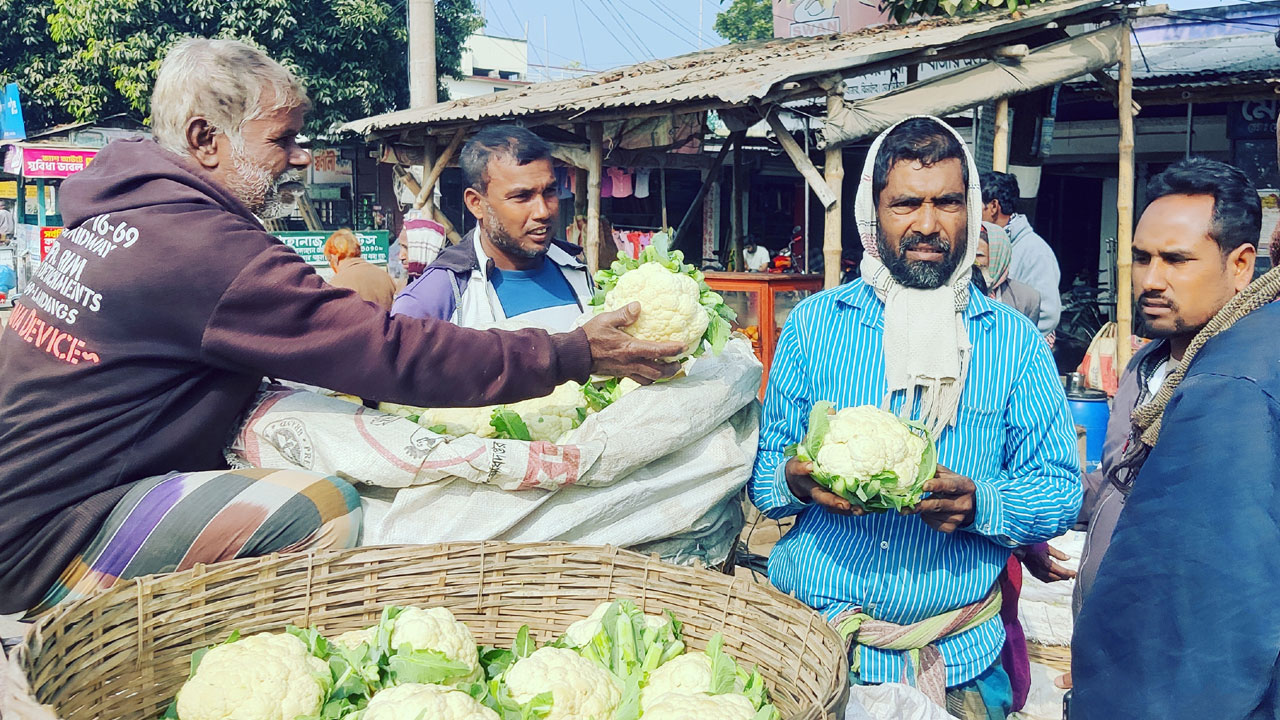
603 34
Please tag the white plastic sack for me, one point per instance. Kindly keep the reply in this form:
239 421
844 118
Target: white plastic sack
662 468
891 701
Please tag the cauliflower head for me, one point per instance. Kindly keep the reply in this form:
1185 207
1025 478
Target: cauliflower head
670 305
581 632
551 417
413 701
868 456
269 676
866 441
580 689
700 706
685 675
437 629
352 639
458 421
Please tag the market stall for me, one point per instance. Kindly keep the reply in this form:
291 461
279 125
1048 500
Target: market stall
605 121
763 301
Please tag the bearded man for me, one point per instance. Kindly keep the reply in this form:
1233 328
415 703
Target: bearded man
154 319
916 593
510 267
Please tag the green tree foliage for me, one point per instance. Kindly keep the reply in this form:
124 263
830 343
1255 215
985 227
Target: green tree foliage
77 60
746 20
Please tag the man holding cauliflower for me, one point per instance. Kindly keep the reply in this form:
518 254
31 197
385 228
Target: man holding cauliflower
903 559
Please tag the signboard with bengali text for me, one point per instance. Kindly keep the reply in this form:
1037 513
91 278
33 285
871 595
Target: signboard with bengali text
54 163
310 245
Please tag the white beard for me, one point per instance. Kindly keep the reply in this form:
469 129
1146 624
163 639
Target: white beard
258 190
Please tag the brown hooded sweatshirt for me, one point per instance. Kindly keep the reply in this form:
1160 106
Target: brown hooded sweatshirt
147 332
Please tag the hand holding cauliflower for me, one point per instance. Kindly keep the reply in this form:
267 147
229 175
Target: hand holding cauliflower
676 303
867 456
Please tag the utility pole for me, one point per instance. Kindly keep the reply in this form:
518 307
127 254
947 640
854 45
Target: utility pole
422 53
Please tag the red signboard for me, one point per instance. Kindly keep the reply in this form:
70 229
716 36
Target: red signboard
51 163
47 236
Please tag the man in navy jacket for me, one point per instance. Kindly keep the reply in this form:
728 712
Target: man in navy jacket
1183 620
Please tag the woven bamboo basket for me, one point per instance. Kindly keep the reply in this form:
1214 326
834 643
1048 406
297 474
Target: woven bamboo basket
1057 657
125 652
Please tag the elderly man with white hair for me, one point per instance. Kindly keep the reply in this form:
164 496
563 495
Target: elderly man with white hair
916 593
125 367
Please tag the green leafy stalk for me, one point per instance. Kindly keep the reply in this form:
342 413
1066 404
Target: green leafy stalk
509 425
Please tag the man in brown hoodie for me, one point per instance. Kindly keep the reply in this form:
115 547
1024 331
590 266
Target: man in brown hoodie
157 314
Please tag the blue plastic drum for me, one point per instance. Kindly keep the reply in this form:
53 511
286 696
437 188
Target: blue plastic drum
1089 410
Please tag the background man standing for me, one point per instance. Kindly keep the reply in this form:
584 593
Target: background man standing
1033 260
510 266
353 272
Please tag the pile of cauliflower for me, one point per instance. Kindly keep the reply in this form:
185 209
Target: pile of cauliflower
676 304
547 419
423 664
870 457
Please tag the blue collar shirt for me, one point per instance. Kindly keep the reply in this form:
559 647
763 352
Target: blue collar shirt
1013 437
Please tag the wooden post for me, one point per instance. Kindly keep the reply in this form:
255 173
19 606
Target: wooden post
662 177
1124 210
426 194
580 181
833 237
712 176
1000 148
737 218
595 133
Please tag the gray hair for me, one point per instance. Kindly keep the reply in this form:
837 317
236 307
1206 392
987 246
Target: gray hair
223 81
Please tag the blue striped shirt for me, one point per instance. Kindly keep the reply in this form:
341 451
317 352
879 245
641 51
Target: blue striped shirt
1014 438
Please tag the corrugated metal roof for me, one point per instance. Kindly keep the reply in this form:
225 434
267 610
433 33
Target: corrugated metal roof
729 75
1222 56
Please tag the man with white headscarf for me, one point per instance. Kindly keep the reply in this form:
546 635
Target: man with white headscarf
916 593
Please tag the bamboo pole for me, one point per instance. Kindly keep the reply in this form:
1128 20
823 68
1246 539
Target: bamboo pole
662 176
1000 147
435 168
800 159
1124 210
832 237
737 221
711 177
595 134
425 199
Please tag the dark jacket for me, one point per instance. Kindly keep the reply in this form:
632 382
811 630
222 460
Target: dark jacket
1183 620
1103 503
146 335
